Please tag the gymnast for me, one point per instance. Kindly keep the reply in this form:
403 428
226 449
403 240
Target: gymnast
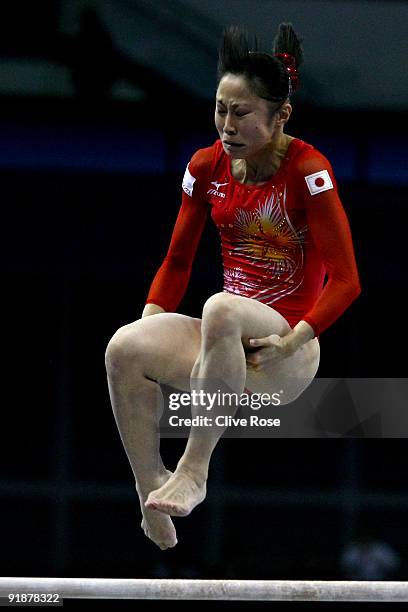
289 274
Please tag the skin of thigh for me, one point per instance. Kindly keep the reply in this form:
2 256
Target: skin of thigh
166 344
170 344
292 374
288 377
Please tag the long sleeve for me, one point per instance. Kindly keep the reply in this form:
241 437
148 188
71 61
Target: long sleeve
171 280
330 231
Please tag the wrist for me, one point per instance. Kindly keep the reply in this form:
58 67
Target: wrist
300 334
151 309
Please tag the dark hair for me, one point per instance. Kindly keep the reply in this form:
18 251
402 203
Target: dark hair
268 76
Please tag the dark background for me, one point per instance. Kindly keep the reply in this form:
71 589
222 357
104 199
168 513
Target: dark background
91 185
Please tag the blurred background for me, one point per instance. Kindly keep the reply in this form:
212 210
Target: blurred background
102 105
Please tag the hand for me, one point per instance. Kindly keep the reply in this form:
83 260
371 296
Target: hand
270 349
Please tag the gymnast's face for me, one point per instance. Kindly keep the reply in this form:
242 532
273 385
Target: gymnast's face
243 119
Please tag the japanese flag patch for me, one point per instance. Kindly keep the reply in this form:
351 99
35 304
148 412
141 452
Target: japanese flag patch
188 182
318 182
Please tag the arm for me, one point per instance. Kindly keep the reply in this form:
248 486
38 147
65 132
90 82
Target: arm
171 280
330 232
300 334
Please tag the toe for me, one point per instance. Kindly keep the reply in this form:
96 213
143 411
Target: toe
165 545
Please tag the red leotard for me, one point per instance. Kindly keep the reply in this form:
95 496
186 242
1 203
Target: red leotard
279 238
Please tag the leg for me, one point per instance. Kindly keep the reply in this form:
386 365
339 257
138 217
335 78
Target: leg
138 357
227 324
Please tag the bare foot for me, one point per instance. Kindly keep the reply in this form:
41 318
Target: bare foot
179 495
157 526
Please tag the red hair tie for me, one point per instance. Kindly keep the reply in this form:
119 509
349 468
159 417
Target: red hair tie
290 64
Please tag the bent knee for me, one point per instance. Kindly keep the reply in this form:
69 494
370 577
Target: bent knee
125 347
219 315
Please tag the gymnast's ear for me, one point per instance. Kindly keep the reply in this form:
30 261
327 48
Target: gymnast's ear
284 113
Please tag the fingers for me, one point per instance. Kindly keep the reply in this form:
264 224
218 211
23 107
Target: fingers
255 360
253 366
268 340
269 351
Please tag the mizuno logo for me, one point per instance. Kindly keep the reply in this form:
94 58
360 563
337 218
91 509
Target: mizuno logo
218 185
217 193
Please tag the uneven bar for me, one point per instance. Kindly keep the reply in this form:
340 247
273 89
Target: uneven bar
253 590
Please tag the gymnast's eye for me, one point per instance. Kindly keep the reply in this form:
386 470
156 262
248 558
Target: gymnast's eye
220 111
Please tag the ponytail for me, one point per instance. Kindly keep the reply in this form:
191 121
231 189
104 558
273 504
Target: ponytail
272 76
